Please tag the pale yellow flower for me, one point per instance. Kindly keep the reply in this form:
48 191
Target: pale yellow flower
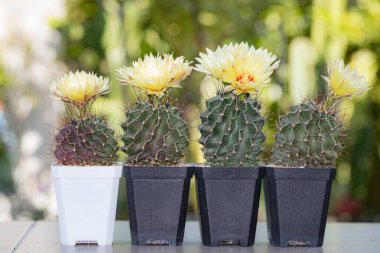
154 75
344 81
79 88
243 68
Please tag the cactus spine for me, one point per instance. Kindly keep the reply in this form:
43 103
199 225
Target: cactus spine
231 130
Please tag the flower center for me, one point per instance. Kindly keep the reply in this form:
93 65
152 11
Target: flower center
245 78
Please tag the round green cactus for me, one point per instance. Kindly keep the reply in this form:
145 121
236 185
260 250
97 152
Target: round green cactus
231 130
308 136
87 141
154 134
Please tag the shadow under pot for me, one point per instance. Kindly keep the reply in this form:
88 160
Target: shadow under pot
228 201
297 201
157 203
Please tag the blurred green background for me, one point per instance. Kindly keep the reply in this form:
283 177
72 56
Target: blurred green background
47 38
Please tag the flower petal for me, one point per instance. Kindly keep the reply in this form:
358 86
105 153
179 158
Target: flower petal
344 81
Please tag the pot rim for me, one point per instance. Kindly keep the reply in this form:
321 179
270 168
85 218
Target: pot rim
89 172
229 173
310 174
157 172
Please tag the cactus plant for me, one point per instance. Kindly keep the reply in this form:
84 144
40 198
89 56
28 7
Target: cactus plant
154 131
231 129
88 141
308 137
311 134
86 153
154 135
83 138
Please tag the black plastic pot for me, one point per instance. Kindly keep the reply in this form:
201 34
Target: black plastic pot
228 201
157 203
297 201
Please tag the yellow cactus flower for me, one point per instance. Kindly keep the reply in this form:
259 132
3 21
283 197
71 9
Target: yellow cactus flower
344 81
243 68
154 75
79 88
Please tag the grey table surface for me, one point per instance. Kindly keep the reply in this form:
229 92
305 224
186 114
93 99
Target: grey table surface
43 237
12 233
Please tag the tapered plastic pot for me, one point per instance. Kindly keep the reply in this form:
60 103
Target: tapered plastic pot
157 203
228 201
86 200
297 201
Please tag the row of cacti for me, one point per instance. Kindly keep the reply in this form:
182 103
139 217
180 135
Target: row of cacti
155 133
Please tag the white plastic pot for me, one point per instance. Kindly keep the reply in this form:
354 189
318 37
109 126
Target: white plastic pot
86 199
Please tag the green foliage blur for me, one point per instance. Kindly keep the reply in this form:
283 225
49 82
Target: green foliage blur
105 34
6 182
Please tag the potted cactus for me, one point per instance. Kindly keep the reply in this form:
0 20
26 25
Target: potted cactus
228 191
155 138
86 173
308 142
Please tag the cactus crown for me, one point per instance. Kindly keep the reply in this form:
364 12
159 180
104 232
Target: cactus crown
83 138
231 129
154 131
311 134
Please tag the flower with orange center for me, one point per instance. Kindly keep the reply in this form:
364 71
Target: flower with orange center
242 68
